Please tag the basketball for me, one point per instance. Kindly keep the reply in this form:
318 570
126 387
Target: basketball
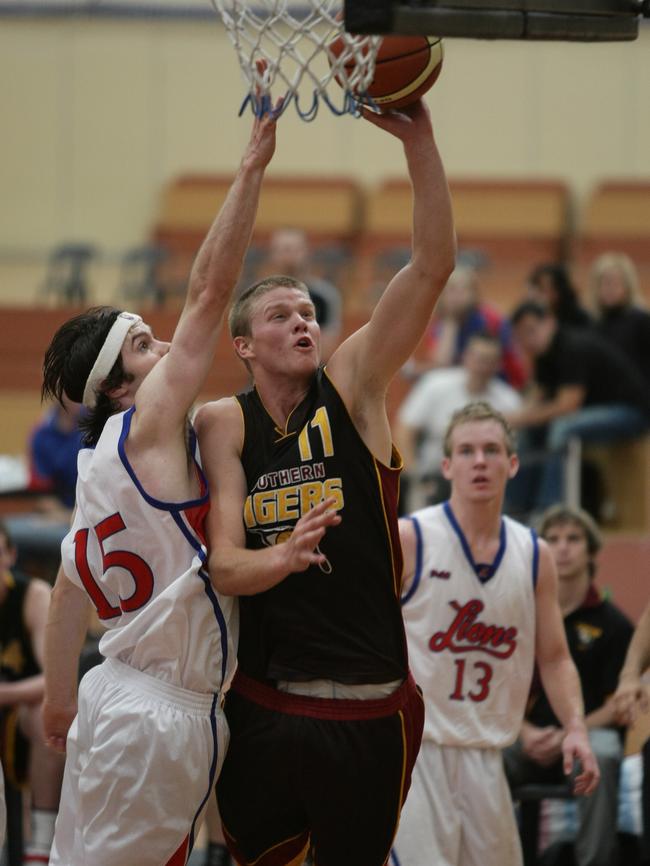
406 67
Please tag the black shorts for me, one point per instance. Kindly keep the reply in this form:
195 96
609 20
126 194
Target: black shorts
330 774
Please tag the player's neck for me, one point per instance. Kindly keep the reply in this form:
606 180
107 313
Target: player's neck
572 592
480 521
281 396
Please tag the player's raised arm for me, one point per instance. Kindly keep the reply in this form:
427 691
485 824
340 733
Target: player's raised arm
368 360
234 570
560 678
173 385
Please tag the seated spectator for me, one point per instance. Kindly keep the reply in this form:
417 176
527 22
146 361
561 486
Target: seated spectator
289 255
584 387
424 415
551 285
598 634
53 448
621 316
460 314
24 603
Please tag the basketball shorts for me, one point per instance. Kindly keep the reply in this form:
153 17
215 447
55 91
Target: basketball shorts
459 811
142 758
315 772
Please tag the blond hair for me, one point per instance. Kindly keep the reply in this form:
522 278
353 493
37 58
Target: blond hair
625 267
478 411
239 317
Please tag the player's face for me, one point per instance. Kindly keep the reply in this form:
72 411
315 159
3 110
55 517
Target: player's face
612 291
479 466
141 352
285 337
534 335
568 544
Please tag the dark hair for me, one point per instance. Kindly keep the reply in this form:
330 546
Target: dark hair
566 307
529 308
239 318
4 531
69 360
559 515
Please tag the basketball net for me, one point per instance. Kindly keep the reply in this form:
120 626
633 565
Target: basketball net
293 44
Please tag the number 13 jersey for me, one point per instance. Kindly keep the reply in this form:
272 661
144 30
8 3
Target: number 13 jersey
471 630
143 562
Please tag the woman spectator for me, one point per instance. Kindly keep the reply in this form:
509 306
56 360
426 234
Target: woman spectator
620 310
551 285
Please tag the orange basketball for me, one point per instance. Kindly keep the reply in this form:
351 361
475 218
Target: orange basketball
406 67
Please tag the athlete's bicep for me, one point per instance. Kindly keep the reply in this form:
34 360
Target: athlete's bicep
550 636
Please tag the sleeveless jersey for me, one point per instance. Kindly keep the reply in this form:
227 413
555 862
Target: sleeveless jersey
339 620
471 630
143 564
17 661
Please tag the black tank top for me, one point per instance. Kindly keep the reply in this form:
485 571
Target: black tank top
340 620
17 660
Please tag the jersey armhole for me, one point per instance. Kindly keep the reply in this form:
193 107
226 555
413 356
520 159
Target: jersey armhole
533 535
418 561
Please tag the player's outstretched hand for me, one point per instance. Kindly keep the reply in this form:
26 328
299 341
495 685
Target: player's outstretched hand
576 750
630 698
301 548
261 145
407 123
57 719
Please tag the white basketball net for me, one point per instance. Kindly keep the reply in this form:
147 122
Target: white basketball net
292 41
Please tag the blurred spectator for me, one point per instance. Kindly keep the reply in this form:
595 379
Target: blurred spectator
53 448
598 634
289 255
424 415
621 314
584 387
551 285
24 603
459 315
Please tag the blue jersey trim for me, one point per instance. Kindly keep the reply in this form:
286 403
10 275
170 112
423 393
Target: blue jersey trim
156 503
393 858
535 557
418 561
484 571
212 774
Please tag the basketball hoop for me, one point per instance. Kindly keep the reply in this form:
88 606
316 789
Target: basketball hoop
293 44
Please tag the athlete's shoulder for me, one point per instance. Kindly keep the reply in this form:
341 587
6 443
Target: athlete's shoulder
429 517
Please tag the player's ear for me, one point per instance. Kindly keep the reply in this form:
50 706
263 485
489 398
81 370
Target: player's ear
446 468
116 394
243 348
514 466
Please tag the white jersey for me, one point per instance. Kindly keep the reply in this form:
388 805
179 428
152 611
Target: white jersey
471 630
143 564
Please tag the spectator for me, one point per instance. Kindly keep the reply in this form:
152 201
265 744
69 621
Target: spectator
289 255
583 387
551 285
621 317
424 415
459 315
53 448
24 603
598 634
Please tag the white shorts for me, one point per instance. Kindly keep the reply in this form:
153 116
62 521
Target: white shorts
142 759
458 811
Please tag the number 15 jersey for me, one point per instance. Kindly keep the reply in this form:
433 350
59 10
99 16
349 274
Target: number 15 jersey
143 564
471 630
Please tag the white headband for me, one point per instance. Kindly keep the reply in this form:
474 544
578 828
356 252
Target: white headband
108 355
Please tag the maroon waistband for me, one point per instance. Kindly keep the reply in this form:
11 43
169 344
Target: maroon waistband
322 708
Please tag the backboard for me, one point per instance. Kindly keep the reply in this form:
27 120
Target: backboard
567 20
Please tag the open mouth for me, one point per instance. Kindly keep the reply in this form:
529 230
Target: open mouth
304 343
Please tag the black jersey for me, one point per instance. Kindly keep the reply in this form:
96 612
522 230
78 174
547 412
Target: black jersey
340 620
17 660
